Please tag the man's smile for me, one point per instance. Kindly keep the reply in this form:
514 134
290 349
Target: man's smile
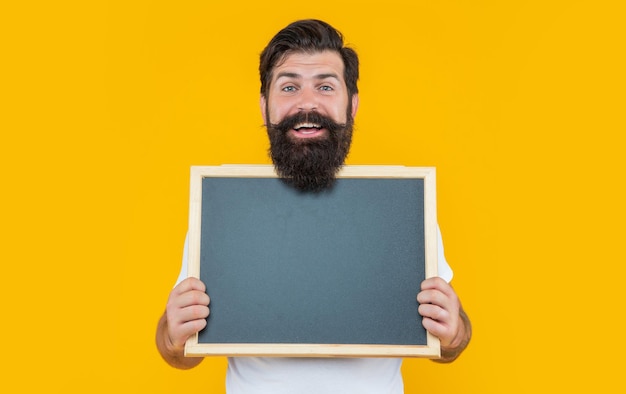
307 130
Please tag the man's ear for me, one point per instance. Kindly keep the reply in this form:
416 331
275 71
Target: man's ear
355 104
263 104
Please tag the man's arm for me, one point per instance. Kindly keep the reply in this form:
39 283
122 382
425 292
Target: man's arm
185 315
443 316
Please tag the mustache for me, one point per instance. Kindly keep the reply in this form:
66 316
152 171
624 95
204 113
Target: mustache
289 122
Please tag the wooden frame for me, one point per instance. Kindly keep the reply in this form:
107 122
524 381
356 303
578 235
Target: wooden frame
429 350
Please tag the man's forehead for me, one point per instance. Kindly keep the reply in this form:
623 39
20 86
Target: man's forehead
304 64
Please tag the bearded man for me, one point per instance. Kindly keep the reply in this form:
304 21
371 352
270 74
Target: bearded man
309 98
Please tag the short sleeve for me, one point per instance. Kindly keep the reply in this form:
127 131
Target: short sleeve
183 269
443 268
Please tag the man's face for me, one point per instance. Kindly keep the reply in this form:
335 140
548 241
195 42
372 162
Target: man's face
308 118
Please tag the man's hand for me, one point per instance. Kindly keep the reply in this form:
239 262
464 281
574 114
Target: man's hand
186 313
187 310
443 316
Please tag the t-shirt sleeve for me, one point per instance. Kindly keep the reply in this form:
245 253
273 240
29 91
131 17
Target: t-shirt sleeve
183 269
443 268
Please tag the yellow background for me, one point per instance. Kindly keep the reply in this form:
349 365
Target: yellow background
106 105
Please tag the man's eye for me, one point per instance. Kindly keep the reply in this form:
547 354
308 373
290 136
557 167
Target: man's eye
326 88
289 89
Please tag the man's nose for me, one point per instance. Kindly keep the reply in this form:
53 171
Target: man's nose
308 100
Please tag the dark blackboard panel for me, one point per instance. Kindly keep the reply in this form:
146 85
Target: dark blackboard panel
342 267
338 267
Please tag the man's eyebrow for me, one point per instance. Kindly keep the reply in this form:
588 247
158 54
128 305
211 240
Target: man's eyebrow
293 75
288 75
327 75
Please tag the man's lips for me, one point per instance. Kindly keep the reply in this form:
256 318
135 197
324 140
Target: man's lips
307 130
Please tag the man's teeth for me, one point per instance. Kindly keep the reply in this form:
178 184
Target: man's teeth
307 126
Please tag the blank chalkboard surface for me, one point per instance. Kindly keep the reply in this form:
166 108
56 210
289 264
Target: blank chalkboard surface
313 274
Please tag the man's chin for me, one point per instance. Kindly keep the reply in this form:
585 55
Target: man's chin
311 183
308 168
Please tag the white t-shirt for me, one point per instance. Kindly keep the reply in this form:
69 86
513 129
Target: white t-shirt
278 375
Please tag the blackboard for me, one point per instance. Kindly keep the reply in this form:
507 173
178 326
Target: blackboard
330 274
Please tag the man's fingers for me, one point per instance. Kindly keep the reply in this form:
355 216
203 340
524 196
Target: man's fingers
433 312
193 297
437 283
431 297
190 284
179 336
193 312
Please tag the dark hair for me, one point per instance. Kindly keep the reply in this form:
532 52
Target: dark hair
309 36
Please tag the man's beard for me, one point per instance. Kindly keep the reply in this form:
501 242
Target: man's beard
310 165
